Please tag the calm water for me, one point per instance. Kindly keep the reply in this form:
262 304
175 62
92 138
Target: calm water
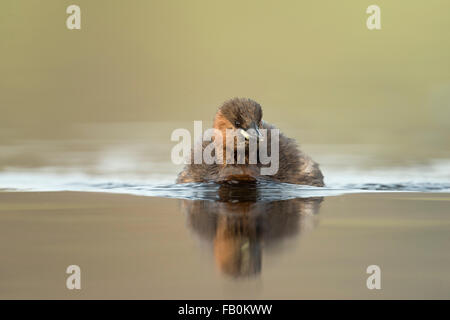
110 206
148 247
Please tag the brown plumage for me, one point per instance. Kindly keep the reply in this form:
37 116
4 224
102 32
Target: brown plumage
294 166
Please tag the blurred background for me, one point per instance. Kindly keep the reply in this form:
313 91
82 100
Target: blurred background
94 109
109 95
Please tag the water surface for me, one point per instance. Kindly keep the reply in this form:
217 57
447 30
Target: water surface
147 247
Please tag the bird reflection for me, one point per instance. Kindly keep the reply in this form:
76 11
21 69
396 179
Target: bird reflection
239 225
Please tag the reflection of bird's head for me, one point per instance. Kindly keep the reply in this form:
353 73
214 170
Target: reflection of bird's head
237 249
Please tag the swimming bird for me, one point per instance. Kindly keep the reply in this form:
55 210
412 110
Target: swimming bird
244 116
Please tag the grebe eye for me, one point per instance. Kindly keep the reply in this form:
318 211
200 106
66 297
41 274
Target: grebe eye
237 124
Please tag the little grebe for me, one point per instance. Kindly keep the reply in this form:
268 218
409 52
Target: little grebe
242 115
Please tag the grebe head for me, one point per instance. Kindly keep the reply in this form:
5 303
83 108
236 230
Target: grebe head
242 115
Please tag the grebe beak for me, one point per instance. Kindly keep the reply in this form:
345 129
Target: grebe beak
259 134
245 134
253 131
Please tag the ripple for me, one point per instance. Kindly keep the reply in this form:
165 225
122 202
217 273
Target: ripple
261 191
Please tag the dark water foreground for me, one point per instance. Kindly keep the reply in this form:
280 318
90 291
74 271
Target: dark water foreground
224 245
